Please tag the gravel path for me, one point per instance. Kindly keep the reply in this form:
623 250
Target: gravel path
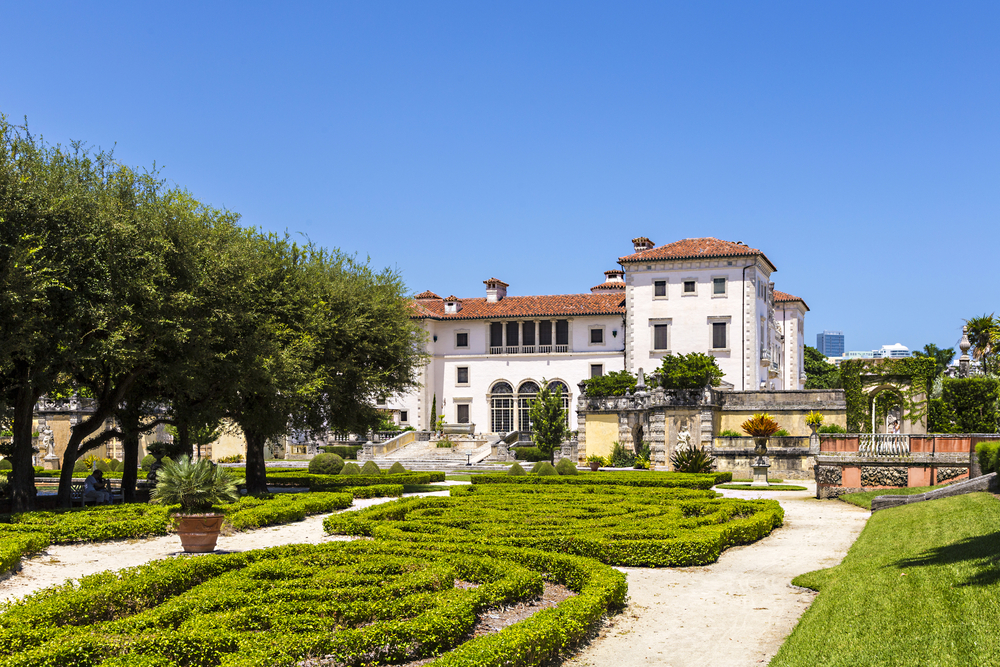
71 561
737 611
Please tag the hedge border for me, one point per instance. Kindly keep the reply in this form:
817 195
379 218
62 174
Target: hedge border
667 480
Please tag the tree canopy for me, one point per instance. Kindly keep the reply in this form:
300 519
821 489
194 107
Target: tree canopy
820 374
690 371
941 357
548 420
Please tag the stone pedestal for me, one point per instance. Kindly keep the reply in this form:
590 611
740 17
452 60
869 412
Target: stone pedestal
760 467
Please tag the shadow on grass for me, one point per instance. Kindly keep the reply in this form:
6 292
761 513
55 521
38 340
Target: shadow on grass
981 552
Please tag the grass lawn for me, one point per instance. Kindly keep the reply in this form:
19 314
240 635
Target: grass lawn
921 586
747 481
864 498
773 487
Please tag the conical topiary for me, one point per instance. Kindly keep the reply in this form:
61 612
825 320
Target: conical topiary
546 469
81 466
370 468
326 464
147 461
566 467
516 470
397 468
350 468
538 464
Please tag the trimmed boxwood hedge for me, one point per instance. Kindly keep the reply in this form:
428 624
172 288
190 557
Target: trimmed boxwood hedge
338 482
667 480
362 602
618 525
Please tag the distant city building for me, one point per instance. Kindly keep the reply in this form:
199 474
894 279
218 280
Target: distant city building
895 351
830 343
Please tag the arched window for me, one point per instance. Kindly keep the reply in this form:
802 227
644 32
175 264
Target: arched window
565 395
526 394
501 401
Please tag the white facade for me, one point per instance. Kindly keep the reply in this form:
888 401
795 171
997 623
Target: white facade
487 355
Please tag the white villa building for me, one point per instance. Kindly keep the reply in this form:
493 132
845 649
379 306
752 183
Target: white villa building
490 354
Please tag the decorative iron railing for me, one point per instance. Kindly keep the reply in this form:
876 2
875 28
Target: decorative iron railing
528 349
884 444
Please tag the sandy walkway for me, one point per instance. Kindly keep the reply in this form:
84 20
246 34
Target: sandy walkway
733 613
72 561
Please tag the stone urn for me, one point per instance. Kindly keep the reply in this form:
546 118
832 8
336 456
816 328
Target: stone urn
760 446
760 464
595 466
199 532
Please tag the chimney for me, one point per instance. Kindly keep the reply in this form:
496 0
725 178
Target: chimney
614 281
614 276
452 305
641 243
496 290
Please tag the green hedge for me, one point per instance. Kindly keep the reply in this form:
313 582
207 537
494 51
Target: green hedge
531 454
989 456
339 482
667 480
343 451
618 525
362 602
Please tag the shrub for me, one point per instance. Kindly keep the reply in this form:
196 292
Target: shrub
545 469
340 482
988 454
193 486
691 460
599 460
531 454
343 451
350 469
81 466
538 464
102 465
6 465
615 383
968 405
147 462
621 457
115 465
396 468
444 444
832 428
235 458
516 469
781 433
730 433
666 480
690 371
566 467
326 464
370 468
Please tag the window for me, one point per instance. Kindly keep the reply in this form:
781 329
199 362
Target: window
597 336
545 333
512 336
380 401
596 370
562 332
564 394
660 341
718 286
496 334
689 286
659 288
462 413
526 395
528 333
462 339
462 375
719 336
404 416
502 408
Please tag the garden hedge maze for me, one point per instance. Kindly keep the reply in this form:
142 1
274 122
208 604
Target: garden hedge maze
618 525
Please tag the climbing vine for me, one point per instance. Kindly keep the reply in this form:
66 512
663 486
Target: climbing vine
910 378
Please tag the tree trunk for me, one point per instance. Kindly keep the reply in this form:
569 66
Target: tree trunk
184 439
256 470
22 474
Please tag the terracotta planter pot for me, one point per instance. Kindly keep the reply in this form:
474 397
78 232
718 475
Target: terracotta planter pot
595 467
199 532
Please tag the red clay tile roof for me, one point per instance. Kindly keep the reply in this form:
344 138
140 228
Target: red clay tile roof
427 295
558 305
610 285
784 296
495 281
452 298
695 249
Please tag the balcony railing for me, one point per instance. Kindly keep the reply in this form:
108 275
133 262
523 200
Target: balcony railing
884 444
528 349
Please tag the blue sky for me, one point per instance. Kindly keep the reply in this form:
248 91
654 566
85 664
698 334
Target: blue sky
856 143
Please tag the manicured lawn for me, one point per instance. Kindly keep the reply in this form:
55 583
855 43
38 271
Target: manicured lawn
458 478
864 498
921 586
772 487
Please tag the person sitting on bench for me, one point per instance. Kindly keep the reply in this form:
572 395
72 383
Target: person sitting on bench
95 489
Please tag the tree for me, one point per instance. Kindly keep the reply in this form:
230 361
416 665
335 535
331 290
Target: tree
690 371
820 374
615 383
983 332
548 420
941 357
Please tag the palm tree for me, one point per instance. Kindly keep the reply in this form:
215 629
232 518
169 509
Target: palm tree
984 334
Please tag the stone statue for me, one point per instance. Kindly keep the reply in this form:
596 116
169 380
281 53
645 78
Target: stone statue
683 439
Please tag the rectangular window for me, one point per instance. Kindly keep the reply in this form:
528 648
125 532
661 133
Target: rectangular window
528 333
496 334
462 375
597 336
562 332
512 336
380 401
462 339
462 413
404 416
719 335
545 333
596 370
659 288
660 337
718 285
689 286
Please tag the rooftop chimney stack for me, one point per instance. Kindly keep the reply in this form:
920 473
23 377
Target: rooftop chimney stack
642 243
496 289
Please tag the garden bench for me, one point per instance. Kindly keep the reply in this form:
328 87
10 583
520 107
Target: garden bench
77 487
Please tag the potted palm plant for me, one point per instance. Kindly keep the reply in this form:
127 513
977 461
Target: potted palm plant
760 427
196 487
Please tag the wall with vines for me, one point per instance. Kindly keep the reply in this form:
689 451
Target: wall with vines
910 378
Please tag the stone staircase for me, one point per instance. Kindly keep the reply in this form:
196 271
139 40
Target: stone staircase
423 455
